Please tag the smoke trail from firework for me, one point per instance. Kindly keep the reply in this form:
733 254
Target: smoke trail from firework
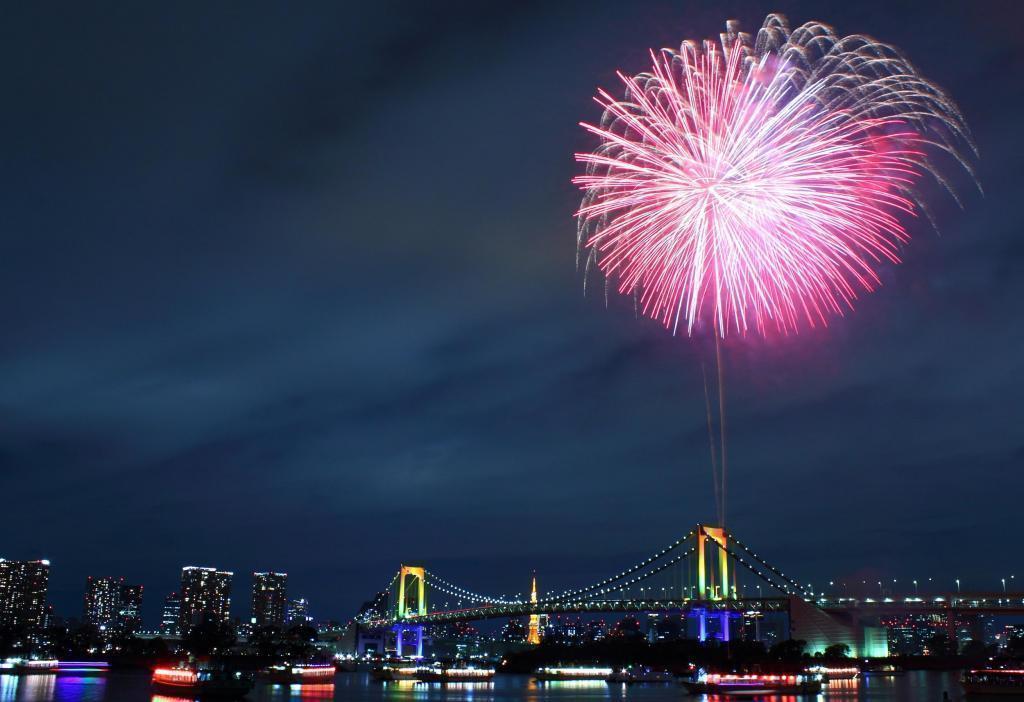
758 185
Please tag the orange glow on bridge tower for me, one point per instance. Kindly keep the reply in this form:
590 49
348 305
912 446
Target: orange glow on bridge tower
533 636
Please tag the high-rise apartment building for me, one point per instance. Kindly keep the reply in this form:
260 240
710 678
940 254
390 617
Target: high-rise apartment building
205 595
111 605
23 593
298 612
129 614
170 619
269 599
102 601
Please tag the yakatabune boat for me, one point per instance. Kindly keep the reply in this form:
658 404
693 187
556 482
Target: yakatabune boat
300 673
455 673
994 681
572 673
754 684
204 683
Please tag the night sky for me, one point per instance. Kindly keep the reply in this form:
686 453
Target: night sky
292 287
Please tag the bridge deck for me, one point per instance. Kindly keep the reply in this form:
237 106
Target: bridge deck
1011 603
503 611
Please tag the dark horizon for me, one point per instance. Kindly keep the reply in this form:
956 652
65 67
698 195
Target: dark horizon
295 290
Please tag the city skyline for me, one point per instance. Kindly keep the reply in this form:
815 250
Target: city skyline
240 333
110 603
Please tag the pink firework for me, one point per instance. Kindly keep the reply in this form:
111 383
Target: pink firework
757 186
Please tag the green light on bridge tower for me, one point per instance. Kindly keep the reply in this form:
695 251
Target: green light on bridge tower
412 582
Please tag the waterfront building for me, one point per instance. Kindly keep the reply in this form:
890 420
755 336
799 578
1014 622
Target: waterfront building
298 612
170 620
205 595
23 586
269 599
102 601
129 613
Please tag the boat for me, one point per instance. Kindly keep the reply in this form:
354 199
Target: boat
640 674
743 684
994 681
202 682
881 669
455 673
571 673
300 673
345 664
83 668
390 672
29 666
835 672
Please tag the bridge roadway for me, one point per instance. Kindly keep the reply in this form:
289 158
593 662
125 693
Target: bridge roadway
504 611
966 603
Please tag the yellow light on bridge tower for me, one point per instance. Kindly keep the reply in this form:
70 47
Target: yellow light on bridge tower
533 635
718 536
418 577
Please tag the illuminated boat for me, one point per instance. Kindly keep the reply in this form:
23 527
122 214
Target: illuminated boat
390 672
994 681
835 672
447 674
203 683
301 673
581 673
29 666
754 684
640 674
83 668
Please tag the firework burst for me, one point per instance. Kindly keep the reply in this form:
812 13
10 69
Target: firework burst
758 184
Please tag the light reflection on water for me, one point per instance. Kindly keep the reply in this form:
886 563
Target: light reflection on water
8 687
43 688
359 687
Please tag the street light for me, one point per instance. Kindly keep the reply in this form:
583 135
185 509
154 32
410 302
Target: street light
915 588
958 585
1004 585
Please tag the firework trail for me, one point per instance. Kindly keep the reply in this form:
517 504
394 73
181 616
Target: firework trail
756 185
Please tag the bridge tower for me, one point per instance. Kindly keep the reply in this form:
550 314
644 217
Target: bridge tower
412 603
707 588
712 545
412 582
533 636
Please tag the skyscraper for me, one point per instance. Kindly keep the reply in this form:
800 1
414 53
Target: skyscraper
205 594
298 611
102 601
23 593
170 620
129 614
269 599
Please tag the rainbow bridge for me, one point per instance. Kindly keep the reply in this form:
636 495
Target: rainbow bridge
708 575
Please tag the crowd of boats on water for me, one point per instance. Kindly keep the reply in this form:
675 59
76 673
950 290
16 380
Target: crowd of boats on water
208 679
